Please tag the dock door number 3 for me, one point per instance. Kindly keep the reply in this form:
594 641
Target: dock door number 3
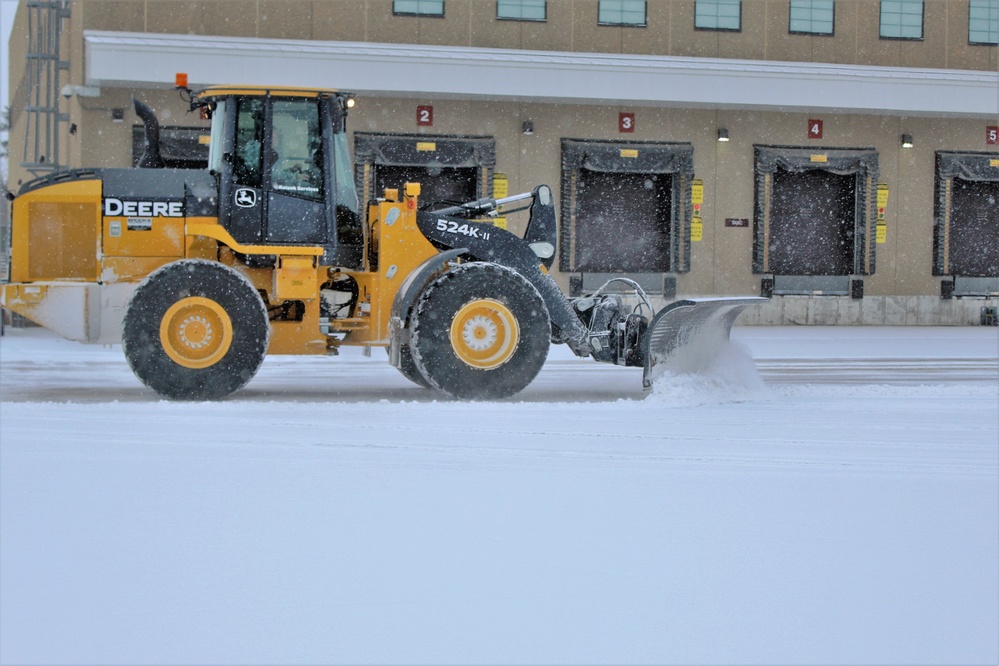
626 122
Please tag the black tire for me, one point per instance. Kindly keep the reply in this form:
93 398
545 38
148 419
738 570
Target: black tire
480 332
195 330
409 369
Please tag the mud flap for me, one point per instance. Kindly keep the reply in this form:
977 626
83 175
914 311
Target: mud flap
686 336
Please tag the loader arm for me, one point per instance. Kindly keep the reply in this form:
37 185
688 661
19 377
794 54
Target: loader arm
686 335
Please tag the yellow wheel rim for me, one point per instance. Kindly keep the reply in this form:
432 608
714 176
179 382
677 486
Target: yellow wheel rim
484 334
196 332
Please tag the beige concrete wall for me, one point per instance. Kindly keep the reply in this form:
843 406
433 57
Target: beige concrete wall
107 143
571 26
722 261
18 92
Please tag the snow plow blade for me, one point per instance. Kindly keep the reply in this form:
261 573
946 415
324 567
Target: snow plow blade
686 336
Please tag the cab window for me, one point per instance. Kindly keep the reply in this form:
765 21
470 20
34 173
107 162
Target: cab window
246 162
296 159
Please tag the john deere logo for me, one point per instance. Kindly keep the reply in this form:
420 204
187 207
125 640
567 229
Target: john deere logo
125 208
246 198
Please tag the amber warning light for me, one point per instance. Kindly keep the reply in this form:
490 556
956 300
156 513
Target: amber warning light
180 80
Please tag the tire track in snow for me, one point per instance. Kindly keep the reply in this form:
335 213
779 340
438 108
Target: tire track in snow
961 460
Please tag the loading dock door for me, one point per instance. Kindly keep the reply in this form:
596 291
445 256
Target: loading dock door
623 222
438 185
812 223
448 168
814 214
974 234
626 208
966 230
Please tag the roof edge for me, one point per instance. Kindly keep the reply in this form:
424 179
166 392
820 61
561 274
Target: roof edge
404 70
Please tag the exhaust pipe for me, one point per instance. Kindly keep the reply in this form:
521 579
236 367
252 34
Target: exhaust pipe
151 154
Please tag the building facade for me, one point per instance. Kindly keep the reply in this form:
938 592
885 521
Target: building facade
841 156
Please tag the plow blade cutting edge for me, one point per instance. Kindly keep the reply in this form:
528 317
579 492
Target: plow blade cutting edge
685 337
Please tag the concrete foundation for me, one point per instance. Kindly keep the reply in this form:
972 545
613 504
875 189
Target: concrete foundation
868 311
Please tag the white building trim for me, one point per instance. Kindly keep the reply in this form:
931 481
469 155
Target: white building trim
143 60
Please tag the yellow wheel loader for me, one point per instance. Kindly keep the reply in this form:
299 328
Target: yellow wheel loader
201 273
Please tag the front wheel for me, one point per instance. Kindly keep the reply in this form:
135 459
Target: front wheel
480 331
195 330
407 366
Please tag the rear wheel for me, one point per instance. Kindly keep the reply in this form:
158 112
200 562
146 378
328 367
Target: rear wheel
480 331
195 330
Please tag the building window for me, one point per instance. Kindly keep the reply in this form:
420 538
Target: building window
718 15
621 12
983 22
521 10
902 19
812 17
418 7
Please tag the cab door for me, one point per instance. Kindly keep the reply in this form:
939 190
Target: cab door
295 174
241 191
273 183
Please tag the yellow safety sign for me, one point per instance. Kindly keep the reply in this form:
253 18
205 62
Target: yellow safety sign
501 186
697 191
696 229
882 195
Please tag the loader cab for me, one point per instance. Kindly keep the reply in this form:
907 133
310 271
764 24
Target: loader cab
283 168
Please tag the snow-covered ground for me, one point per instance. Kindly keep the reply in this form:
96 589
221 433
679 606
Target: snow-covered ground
840 506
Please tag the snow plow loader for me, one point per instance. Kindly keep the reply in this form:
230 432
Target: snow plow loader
201 273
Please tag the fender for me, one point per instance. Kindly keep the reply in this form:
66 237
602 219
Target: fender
416 281
485 242
405 299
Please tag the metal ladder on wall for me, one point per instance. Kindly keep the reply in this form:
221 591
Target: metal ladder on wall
41 96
